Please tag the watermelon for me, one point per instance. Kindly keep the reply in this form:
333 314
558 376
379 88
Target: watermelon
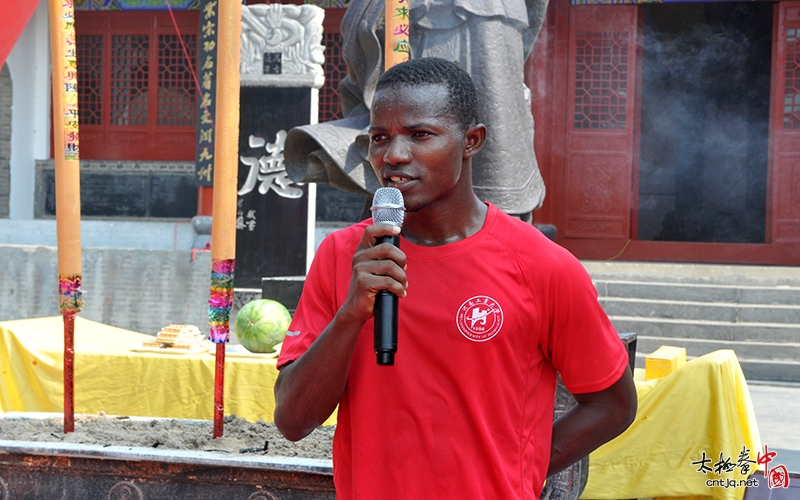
261 324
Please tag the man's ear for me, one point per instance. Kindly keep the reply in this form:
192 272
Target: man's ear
474 138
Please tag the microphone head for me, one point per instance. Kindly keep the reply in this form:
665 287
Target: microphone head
388 207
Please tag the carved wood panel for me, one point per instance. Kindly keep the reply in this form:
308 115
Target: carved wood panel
785 127
136 93
600 121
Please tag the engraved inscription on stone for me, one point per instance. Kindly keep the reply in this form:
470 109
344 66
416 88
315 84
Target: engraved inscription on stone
272 63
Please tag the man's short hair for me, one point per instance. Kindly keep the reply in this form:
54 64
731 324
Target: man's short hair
463 96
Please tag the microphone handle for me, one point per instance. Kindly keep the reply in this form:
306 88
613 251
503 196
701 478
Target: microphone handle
386 318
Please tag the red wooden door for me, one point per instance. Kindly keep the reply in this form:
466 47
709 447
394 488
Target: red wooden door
784 183
600 122
335 67
136 92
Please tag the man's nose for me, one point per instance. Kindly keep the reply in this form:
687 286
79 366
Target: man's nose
397 152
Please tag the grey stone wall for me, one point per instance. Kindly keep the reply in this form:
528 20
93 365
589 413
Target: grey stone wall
124 189
140 290
5 139
333 205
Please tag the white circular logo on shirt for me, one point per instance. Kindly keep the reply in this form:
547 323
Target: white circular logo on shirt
479 318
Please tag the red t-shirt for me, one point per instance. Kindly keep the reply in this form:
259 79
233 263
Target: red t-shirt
467 409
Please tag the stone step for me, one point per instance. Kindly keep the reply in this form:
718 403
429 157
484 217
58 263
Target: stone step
773 371
752 350
754 310
706 329
755 369
707 311
739 294
720 274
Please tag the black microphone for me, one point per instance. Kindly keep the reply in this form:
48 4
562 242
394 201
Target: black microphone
387 206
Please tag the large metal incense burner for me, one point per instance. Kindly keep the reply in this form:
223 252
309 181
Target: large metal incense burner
88 472
92 472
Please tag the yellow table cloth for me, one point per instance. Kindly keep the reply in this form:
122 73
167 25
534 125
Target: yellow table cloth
702 408
110 377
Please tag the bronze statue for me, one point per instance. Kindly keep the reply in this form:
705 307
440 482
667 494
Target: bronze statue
491 39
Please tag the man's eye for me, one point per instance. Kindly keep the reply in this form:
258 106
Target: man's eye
421 134
378 138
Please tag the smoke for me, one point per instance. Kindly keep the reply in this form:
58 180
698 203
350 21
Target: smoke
704 121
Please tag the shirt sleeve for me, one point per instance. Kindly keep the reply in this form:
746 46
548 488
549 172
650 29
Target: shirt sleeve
583 345
316 307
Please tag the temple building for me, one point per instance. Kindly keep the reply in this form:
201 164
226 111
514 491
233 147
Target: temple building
663 131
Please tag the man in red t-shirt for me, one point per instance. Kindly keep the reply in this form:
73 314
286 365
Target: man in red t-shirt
490 310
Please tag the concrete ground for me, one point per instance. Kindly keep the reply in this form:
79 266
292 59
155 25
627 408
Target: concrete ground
777 408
